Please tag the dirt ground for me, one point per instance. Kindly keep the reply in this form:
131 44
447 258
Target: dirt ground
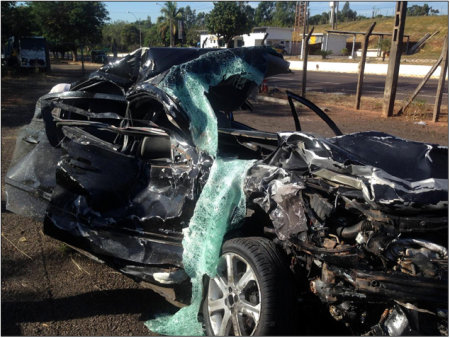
49 290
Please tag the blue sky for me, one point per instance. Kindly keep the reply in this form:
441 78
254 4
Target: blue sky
118 10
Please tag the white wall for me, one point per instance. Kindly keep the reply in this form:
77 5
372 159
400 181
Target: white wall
334 43
250 41
380 69
210 43
276 33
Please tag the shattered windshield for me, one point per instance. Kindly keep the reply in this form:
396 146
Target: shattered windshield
222 202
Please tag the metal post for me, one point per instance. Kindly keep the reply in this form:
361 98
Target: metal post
305 63
395 54
440 89
419 87
380 37
304 32
353 46
362 64
332 4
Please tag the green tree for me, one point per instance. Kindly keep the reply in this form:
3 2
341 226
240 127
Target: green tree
171 15
264 13
75 22
319 19
284 14
112 31
201 20
18 21
190 25
346 14
189 17
417 10
227 20
153 37
147 24
434 11
249 12
385 46
163 31
130 37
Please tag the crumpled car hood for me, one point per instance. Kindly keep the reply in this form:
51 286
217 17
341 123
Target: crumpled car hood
393 174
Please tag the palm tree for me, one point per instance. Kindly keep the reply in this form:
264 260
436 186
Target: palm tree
385 46
171 14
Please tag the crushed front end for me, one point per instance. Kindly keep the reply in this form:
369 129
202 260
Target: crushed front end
365 218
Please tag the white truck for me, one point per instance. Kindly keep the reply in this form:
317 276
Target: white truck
32 52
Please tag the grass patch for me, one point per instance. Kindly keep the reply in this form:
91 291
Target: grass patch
415 26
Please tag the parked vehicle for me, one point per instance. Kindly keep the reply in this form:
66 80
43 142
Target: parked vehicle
99 56
32 52
280 49
120 168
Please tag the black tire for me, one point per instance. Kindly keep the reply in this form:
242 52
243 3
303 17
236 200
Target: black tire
273 280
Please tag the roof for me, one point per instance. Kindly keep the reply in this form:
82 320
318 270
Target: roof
351 32
284 28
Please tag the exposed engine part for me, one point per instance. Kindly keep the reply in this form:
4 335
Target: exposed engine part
352 231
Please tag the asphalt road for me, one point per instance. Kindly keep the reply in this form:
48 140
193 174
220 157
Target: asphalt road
373 85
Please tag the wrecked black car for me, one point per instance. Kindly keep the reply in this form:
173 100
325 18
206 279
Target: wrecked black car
142 167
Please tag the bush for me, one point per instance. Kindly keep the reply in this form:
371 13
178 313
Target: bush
324 53
344 51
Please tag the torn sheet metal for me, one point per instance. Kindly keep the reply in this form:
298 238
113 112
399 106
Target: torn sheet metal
369 161
279 194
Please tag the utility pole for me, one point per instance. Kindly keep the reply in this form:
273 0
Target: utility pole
337 17
299 20
395 54
305 24
332 16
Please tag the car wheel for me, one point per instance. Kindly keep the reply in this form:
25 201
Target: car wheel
251 295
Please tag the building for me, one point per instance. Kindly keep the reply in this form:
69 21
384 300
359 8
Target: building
275 36
334 43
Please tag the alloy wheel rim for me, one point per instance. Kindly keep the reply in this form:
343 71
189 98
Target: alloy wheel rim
234 298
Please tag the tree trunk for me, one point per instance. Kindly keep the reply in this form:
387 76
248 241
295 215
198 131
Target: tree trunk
384 55
228 42
74 54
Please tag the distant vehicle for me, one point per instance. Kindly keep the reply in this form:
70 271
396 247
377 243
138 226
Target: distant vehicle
99 56
280 49
32 53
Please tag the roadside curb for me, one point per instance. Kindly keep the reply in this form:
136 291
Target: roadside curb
281 101
271 99
405 70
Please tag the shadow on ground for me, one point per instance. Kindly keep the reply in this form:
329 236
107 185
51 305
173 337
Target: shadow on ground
91 304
